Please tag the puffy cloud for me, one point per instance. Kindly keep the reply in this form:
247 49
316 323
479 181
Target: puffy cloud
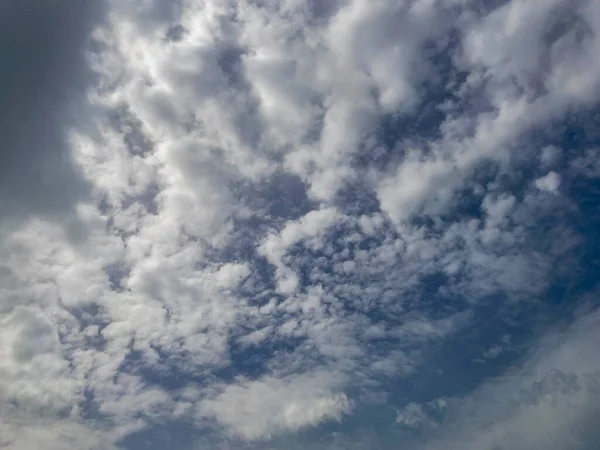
256 218
549 182
284 404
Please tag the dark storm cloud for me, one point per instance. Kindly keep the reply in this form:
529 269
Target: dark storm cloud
41 69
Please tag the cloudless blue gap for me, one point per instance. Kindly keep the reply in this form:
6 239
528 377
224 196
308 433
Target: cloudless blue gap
281 196
580 132
173 371
254 361
155 436
456 365
357 198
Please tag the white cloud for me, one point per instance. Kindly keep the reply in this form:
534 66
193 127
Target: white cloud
261 408
55 436
34 372
151 271
310 227
523 80
549 183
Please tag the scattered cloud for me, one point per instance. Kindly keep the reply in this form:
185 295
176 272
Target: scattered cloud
275 222
549 183
283 404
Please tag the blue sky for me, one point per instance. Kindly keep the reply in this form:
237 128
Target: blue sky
299 224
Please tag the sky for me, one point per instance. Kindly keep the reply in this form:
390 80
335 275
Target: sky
299 224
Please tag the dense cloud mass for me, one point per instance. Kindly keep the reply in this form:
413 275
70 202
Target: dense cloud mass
292 224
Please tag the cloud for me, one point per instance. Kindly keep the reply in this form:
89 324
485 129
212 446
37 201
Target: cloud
416 416
43 79
549 401
549 182
279 222
257 409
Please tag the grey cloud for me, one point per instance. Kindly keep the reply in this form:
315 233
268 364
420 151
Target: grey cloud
42 73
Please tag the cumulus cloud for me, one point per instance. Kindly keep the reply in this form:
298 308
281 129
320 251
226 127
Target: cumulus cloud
549 182
283 405
265 220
